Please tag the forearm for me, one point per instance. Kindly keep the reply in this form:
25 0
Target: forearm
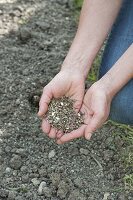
119 74
95 22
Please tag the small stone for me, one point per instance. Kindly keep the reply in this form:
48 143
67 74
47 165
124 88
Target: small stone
51 154
42 172
11 195
121 197
8 149
18 101
1 160
16 162
73 151
106 195
43 25
63 189
23 169
35 181
3 193
1 12
84 151
25 178
108 154
78 182
8 170
47 191
41 187
19 198
55 178
21 152
15 173
76 195
24 35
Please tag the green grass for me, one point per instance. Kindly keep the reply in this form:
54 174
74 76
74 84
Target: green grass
78 4
126 154
128 180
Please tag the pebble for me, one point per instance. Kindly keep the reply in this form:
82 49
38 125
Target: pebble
25 178
3 193
16 162
42 172
76 195
35 181
78 182
1 160
11 195
21 152
51 154
8 170
84 151
24 35
63 189
55 178
43 25
108 154
106 195
41 187
121 197
47 191
23 168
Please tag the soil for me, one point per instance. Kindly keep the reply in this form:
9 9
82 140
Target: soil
62 116
34 38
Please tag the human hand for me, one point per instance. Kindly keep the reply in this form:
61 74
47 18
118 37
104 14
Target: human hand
70 83
96 107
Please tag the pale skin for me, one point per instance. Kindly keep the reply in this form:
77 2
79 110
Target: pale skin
96 20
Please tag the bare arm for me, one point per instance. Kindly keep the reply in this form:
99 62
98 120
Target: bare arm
119 74
96 20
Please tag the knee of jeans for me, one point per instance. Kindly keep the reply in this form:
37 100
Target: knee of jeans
121 110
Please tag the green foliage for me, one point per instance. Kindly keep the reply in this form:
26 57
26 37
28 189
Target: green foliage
78 3
93 74
127 152
128 180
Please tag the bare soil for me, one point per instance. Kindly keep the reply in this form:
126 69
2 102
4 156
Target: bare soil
34 38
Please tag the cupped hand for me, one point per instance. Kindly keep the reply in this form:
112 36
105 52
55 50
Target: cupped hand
70 83
96 107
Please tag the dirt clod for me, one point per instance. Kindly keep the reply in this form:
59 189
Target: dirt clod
62 116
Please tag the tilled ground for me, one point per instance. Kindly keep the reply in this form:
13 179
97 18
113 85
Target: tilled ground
34 39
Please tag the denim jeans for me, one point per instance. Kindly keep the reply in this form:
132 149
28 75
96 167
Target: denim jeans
120 39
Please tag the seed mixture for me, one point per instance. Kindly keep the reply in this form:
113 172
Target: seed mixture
62 116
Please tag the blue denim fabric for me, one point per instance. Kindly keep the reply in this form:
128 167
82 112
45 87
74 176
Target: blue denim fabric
120 39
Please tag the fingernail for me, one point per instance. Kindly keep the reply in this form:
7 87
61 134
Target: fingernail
58 142
88 137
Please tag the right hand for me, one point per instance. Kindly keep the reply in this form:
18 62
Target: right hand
70 83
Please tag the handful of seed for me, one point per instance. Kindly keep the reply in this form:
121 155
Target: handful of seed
62 116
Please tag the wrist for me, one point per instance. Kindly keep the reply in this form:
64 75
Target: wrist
104 84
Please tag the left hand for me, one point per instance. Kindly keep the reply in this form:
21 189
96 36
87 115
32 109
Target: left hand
96 108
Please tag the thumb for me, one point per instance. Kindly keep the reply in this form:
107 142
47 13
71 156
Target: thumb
94 124
44 101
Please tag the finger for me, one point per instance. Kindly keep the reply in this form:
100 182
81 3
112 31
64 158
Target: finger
46 126
77 105
44 101
52 133
95 122
59 134
73 135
